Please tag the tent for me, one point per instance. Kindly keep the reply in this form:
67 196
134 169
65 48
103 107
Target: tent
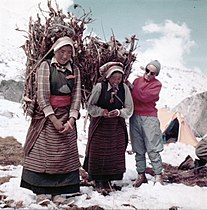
175 128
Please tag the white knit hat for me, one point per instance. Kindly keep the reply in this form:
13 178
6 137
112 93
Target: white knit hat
109 68
62 42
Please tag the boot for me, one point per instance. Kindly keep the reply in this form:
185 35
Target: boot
159 179
140 180
58 199
103 187
187 164
199 163
43 199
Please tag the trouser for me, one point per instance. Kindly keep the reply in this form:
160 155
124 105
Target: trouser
146 137
201 149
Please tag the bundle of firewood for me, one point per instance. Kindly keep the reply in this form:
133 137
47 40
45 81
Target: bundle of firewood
91 52
95 53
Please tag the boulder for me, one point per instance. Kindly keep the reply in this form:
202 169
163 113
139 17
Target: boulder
11 90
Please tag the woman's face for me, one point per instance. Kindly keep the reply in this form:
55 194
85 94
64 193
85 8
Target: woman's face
150 72
115 79
64 54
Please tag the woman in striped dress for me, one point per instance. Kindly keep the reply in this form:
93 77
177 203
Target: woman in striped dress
109 105
51 163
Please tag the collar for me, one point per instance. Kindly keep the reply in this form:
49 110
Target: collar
110 87
60 67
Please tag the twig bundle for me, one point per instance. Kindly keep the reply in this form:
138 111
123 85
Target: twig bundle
91 52
96 53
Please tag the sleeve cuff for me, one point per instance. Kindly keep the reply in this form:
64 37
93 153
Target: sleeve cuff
75 114
119 112
48 110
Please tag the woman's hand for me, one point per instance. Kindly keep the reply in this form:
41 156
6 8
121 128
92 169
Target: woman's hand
114 113
69 125
58 124
105 113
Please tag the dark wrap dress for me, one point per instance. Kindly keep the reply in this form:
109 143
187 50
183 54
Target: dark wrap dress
107 140
51 163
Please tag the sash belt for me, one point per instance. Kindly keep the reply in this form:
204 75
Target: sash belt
60 101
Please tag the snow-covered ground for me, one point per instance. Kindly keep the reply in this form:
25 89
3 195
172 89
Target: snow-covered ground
148 196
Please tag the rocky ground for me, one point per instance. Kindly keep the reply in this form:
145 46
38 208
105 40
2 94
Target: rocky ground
11 151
